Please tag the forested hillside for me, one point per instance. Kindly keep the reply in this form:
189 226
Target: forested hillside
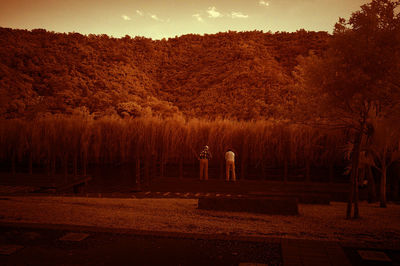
246 75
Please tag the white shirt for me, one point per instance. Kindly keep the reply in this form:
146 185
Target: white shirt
230 156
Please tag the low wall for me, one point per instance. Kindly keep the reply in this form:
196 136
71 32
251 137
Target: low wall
266 205
305 198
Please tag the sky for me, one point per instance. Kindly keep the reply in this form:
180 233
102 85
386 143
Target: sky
159 19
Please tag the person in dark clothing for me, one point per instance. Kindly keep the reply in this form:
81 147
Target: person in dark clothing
204 156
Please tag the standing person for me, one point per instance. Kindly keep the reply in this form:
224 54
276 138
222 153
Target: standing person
204 156
230 164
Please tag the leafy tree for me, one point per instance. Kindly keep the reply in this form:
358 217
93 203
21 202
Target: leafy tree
357 74
384 148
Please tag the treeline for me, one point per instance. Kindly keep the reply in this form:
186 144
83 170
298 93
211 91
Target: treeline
69 143
233 75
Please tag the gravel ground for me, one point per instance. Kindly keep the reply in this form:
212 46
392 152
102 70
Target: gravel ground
319 222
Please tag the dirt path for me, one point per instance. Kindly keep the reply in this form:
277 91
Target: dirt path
323 222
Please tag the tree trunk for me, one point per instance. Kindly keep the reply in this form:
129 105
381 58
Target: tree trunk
371 185
383 185
353 179
351 196
396 181
356 211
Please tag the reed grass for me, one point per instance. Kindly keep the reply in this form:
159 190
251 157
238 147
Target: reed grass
57 140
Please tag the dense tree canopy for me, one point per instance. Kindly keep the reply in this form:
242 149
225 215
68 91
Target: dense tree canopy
244 75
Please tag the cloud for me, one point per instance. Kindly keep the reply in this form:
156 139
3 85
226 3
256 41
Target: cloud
198 17
125 17
213 13
263 3
154 16
238 15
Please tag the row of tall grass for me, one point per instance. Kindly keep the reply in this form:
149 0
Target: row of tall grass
71 142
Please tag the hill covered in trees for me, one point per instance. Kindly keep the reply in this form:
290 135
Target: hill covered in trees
246 75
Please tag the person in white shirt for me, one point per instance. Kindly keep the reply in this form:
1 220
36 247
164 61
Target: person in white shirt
230 164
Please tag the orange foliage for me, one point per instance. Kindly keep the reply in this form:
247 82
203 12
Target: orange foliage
232 75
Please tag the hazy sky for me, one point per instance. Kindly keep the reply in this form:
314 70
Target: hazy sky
167 18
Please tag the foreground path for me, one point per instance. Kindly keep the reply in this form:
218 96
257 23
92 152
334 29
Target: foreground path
27 245
116 227
307 252
43 244
314 222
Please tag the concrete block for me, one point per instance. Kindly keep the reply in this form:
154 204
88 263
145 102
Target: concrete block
266 205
